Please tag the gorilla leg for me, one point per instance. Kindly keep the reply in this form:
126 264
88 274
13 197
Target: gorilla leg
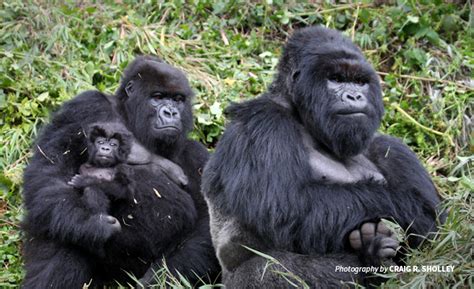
96 200
51 265
316 272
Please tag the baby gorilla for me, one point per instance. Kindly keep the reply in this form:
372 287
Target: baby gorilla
104 177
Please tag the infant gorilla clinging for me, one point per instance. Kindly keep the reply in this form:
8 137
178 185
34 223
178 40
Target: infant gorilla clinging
105 176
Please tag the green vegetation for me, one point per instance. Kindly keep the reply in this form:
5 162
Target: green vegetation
423 50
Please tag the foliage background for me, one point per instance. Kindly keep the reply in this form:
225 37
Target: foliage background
423 51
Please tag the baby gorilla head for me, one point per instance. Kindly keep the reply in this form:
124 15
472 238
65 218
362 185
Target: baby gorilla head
109 144
335 91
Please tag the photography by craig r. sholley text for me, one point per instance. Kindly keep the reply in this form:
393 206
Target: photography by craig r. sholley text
395 269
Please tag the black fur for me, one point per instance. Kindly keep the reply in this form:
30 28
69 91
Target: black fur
160 219
261 189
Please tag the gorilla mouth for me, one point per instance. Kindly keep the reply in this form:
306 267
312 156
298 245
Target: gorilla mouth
352 112
105 157
167 128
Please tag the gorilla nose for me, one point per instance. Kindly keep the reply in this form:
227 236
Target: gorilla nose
354 98
169 114
104 149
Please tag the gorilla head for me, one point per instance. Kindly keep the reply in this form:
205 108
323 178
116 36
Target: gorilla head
155 99
333 89
109 144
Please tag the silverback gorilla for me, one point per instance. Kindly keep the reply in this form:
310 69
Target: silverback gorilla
300 173
159 219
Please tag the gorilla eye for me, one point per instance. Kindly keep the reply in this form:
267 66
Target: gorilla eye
114 142
361 81
336 78
157 95
179 97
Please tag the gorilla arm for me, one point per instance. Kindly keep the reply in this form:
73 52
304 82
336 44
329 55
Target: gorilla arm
406 176
141 156
194 256
244 269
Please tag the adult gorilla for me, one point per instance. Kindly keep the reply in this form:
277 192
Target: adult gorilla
301 175
159 219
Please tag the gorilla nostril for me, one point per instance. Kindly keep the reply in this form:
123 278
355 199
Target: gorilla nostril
349 96
166 112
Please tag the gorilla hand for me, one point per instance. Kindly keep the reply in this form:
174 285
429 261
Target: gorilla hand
108 225
375 243
77 181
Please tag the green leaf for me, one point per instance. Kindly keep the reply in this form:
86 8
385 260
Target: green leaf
43 96
216 110
413 19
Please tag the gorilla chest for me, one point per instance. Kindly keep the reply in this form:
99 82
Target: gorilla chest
328 170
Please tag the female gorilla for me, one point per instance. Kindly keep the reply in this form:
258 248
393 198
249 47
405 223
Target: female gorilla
159 220
301 175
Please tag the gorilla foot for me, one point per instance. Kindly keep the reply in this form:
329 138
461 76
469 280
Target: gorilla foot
375 242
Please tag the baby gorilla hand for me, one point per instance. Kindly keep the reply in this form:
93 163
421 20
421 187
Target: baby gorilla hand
375 243
77 181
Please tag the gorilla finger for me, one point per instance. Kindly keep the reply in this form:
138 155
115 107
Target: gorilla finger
76 178
184 180
382 229
355 240
387 253
114 222
368 232
389 242
73 183
110 219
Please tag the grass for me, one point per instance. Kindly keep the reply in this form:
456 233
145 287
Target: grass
50 51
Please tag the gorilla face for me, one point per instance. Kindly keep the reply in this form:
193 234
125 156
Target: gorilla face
106 151
109 144
157 102
168 116
337 95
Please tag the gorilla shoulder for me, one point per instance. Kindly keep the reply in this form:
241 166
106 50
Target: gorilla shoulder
87 107
267 114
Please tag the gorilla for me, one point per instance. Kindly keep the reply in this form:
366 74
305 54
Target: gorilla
160 219
104 175
301 175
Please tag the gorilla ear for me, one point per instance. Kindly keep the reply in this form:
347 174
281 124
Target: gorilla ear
295 75
129 88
